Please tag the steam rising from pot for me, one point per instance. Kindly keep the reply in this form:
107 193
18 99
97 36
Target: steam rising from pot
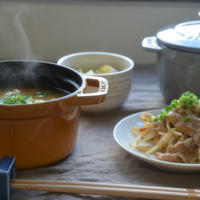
13 36
15 41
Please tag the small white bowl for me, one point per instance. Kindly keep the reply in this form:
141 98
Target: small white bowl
119 82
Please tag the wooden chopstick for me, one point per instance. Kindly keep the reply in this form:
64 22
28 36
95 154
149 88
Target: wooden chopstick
137 191
79 183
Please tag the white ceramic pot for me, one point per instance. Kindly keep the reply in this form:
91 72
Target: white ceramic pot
178 58
119 83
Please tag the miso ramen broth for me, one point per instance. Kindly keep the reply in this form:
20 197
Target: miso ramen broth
29 95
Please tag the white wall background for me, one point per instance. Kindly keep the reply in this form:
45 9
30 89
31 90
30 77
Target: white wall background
50 29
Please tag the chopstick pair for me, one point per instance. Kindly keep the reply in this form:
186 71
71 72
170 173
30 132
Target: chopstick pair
134 191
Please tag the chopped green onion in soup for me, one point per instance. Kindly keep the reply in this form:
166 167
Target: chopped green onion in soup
29 95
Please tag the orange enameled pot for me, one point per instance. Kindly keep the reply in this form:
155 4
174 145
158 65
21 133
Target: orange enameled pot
40 134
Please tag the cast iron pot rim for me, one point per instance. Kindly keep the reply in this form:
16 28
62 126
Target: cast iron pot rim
49 63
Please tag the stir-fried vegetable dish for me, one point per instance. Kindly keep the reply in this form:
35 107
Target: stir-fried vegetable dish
174 134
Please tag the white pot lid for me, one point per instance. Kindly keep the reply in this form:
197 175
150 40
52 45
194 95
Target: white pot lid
184 36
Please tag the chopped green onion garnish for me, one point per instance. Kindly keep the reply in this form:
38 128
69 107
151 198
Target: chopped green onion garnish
186 118
186 100
16 99
41 93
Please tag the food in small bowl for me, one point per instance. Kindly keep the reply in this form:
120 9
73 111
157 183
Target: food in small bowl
40 107
103 69
116 68
174 134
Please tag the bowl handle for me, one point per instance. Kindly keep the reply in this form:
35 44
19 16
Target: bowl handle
96 97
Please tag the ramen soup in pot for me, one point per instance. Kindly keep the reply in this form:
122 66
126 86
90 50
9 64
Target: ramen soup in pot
29 95
40 105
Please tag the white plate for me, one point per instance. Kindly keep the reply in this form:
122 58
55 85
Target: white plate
124 137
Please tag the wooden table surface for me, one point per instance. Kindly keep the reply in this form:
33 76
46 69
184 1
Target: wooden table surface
97 157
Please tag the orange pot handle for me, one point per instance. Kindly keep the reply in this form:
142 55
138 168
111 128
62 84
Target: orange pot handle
96 97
